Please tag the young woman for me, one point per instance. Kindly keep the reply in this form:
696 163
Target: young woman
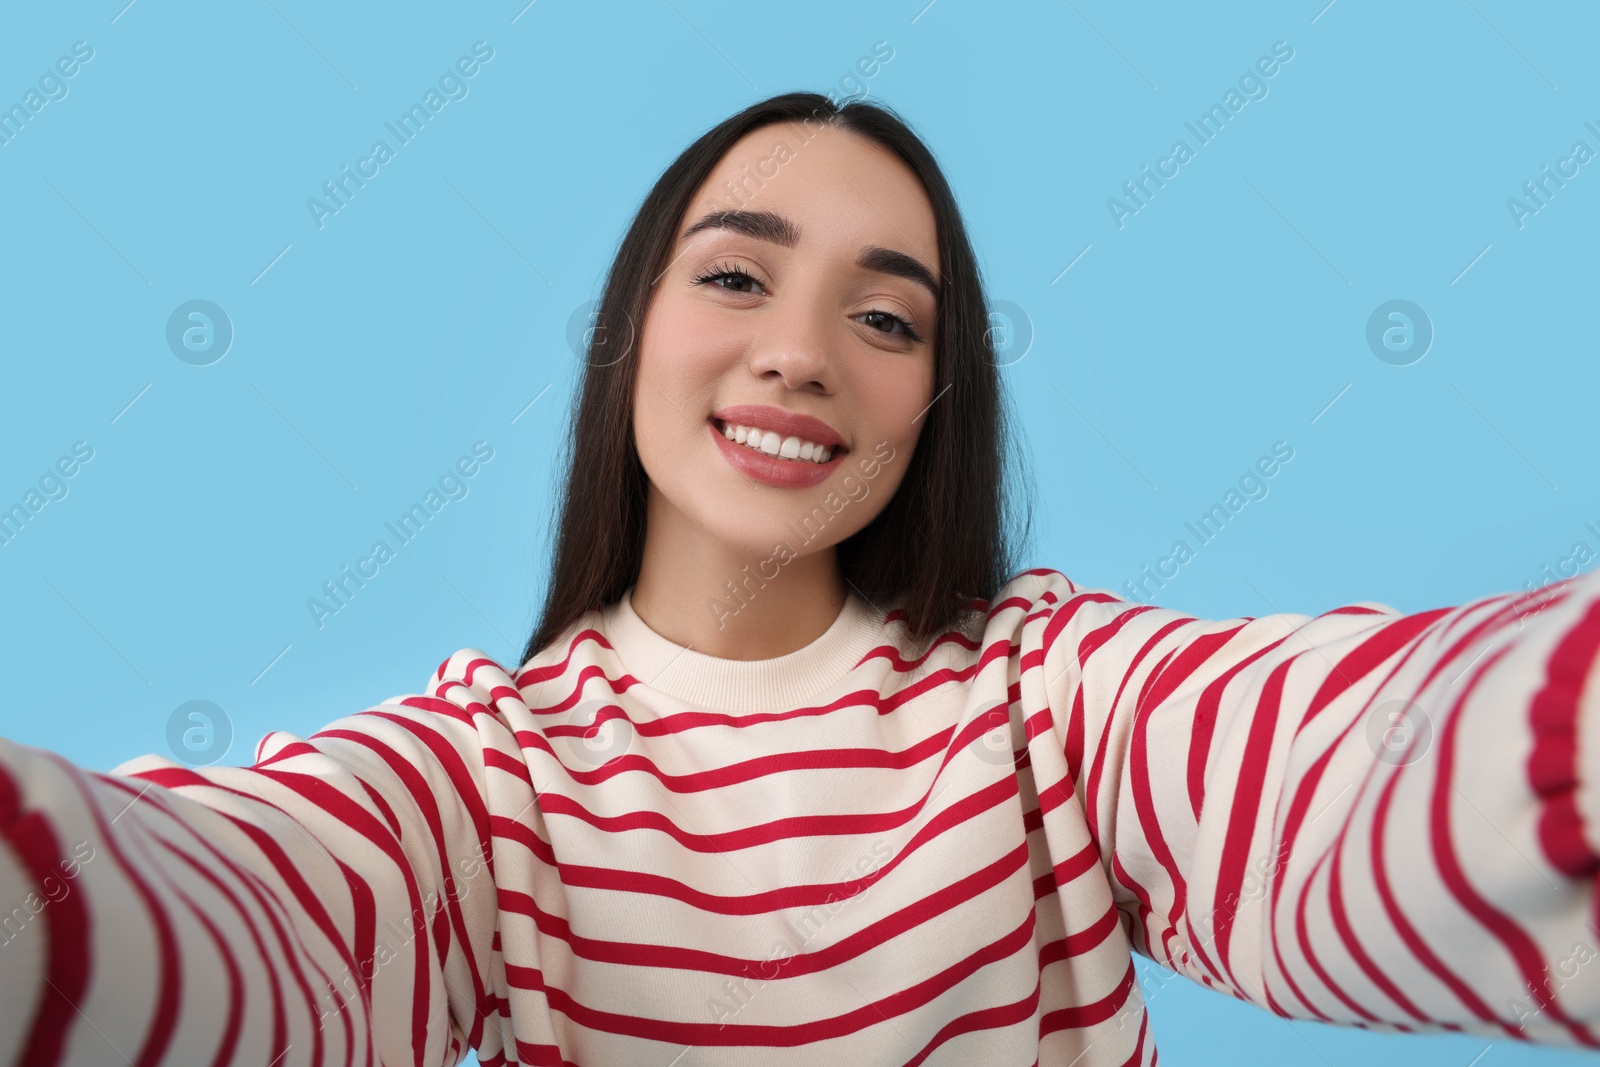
797 769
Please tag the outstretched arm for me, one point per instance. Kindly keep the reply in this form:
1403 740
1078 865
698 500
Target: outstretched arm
1360 817
333 903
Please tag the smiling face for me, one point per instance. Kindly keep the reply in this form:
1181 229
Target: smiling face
797 310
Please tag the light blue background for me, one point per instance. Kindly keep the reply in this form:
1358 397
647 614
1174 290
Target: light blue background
1229 313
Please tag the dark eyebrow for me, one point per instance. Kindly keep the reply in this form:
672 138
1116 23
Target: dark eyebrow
770 226
762 225
888 261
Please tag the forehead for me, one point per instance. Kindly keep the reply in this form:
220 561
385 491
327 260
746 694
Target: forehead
838 188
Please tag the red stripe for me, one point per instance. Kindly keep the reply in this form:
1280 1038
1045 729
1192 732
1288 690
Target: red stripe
1523 950
1190 658
763 902
1097 1011
67 928
1405 635
1068 870
1464 642
1408 932
1163 681
1245 814
1400 634
170 977
730 774
235 1022
1553 763
279 1026
268 901
778 829
534 675
1308 954
1076 944
993 1018
1142 895
473 804
770 1036
1110 724
804 961
683 721
326 798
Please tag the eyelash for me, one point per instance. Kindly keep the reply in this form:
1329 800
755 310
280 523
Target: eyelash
720 271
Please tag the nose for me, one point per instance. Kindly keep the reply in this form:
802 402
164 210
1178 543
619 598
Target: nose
798 344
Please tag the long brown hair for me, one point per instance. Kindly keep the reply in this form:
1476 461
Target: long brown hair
944 538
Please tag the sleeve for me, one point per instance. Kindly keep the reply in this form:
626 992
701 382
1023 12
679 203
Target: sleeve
1362 817
333 903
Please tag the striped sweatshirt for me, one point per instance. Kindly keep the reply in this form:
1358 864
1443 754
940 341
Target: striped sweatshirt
871 850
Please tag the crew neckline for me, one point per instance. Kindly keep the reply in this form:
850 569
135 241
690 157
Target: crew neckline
742 684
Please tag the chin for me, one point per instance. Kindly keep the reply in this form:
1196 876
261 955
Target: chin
753 539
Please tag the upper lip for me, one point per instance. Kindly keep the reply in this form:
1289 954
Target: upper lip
784 423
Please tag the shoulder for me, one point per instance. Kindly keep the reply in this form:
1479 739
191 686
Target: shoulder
1036 585
1024 611
1046 615
565 652
467 683
1039 592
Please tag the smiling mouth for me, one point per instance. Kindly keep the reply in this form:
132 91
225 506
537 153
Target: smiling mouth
777 446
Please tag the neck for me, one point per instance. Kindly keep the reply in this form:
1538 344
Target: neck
728 601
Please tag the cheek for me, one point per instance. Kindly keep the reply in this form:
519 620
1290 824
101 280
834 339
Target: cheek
897 397
683 351
675 388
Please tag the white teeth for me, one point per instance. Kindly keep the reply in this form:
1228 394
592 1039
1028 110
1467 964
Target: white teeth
771 444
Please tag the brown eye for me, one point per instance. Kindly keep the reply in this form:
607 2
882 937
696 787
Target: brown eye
892 320
716 277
